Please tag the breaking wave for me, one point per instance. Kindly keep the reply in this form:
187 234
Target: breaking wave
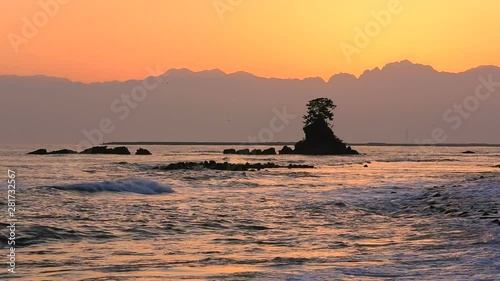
139 186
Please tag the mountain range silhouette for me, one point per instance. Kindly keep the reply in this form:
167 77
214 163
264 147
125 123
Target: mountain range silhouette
402 102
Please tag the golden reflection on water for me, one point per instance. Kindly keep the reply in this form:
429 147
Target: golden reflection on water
340 215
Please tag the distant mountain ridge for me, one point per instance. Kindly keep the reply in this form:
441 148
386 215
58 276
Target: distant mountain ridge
219 73
401 102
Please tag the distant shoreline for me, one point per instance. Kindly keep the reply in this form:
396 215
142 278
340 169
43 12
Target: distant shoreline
292 143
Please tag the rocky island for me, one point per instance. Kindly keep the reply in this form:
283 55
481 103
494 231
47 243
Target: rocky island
319 136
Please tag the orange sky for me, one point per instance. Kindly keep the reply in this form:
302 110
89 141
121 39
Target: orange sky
97 40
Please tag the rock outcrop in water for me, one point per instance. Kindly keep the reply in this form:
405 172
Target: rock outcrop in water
212 165
44 151
246 151
320 140
41 151
142 151
63 151
319 137
229 151
286 150
120 150
269 151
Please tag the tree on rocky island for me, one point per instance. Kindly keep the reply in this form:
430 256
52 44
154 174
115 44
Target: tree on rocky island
320 139
319 109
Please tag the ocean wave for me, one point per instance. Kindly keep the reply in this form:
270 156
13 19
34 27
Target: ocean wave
37 234
140 186
417 160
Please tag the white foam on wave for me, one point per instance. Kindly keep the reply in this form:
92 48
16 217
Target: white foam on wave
140 186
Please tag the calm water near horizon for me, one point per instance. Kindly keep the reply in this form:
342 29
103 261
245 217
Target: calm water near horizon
413 214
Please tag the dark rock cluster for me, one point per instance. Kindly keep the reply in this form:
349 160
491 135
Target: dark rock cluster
44 151
105 150
319 140
121 150
212 165
246 151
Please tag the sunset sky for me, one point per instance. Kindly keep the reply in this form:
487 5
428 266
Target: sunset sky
99 40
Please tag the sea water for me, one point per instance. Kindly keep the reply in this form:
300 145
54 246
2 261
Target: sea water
412 214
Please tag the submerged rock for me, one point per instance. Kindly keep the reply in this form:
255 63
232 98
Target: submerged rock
469 152
41 151
142 151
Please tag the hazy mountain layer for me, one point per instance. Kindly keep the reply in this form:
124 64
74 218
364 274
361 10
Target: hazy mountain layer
402 102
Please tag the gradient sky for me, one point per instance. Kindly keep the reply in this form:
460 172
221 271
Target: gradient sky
98 40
